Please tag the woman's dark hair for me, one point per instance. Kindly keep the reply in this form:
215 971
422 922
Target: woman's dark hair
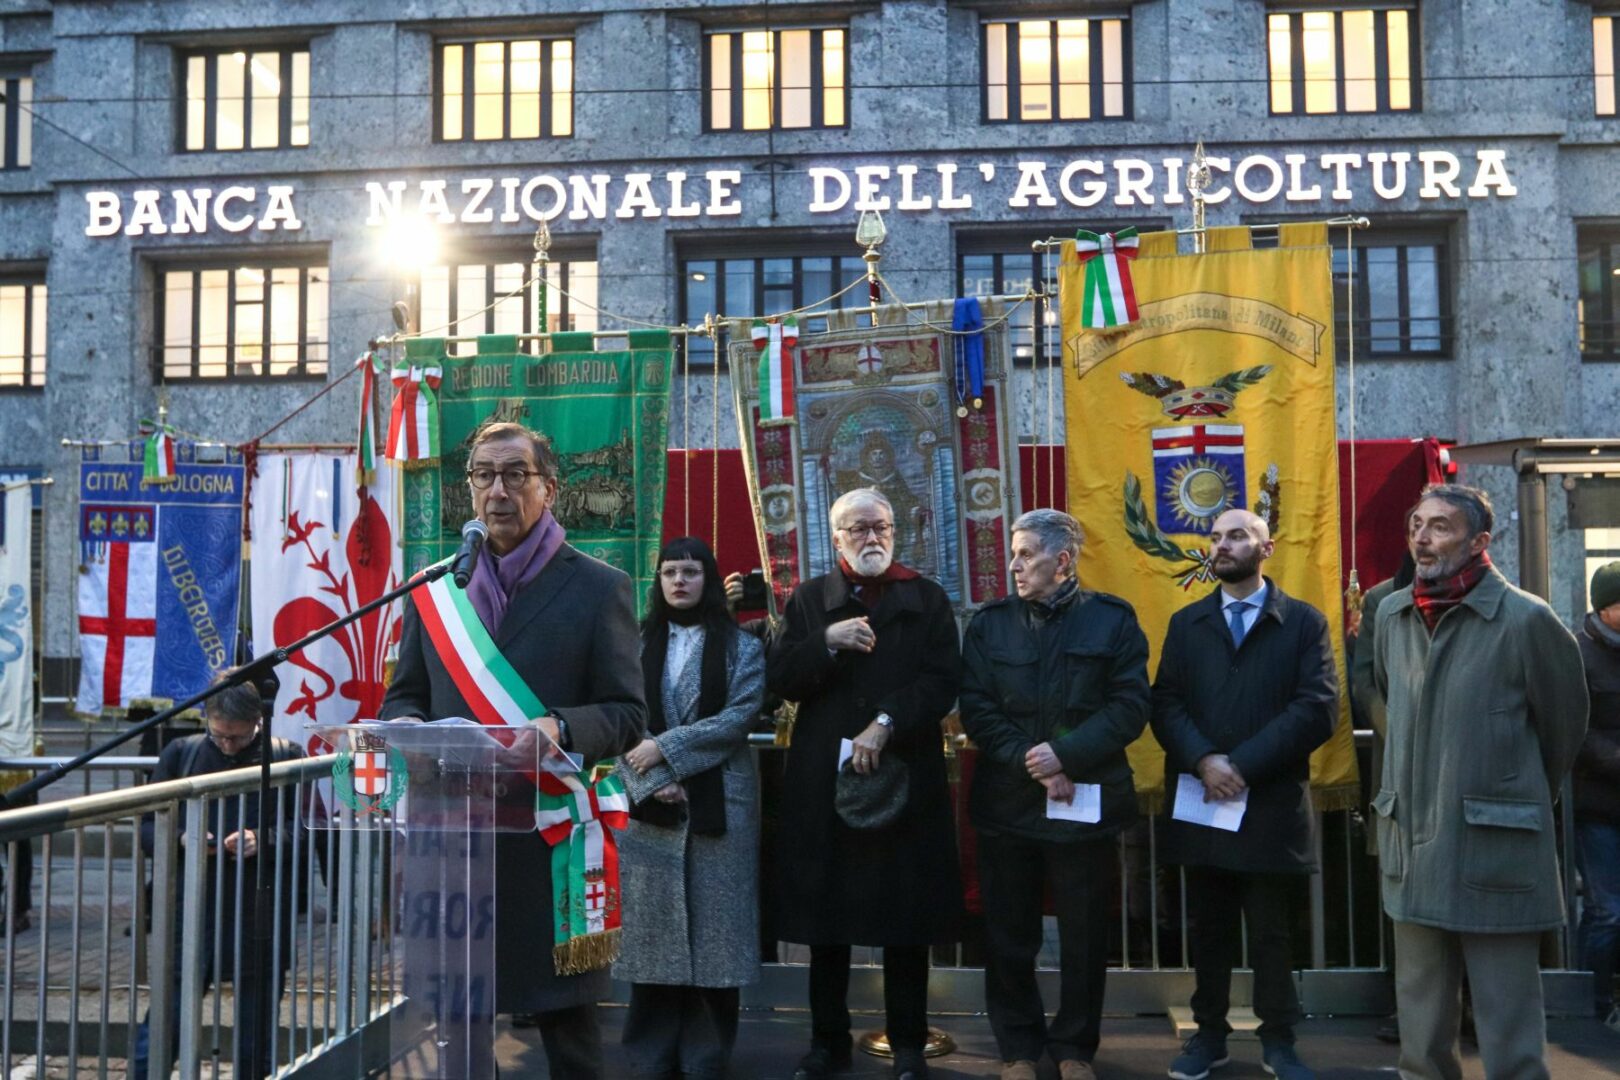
711 608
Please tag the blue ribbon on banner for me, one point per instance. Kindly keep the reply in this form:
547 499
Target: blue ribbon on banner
968 321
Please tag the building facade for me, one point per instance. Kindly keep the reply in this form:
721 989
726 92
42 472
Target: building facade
205 202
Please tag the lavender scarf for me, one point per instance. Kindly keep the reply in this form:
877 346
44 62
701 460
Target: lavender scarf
496 579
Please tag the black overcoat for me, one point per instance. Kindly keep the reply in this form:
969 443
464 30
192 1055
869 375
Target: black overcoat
1266 705
571 634
898 885
1078 681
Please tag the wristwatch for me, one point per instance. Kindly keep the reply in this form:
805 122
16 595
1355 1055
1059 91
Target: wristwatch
562 734
885 720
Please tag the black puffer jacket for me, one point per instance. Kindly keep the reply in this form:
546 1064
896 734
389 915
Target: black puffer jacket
1076 678
1597 768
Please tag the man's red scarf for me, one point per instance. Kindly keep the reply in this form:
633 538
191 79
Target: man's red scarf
1434 598
869 590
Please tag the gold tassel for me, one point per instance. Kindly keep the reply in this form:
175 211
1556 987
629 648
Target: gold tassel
1338 797
586 953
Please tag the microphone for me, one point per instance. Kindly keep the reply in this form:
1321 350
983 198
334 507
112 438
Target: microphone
473 535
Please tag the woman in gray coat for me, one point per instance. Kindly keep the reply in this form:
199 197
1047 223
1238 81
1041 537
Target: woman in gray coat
689 860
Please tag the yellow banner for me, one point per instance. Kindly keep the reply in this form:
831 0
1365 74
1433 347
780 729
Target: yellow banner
1220 395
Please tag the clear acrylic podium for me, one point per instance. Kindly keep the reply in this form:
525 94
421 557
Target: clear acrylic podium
442 790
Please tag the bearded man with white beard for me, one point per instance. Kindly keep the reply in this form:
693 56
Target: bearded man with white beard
870 654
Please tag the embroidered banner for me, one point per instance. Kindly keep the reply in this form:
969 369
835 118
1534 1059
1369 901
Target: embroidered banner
877 407
16 624
607 415
159 577
318 553
1220 397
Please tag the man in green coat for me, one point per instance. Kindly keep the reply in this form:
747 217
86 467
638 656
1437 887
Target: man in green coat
1485 711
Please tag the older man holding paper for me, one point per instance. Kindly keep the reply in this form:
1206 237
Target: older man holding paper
1246 689
1054 689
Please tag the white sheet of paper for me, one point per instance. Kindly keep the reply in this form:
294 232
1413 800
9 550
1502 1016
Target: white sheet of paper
1086 807
1190 806
846 750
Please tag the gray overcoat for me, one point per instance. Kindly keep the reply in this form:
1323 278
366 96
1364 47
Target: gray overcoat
691 903
1483 723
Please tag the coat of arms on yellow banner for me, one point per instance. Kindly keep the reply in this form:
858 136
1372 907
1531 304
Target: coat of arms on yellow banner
1220 396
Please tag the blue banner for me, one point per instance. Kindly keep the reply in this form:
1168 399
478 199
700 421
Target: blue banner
160 582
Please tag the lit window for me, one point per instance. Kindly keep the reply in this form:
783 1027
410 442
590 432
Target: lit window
475 298
1065 69
760 79
246 99
1598 307
22 331
16 122
1402 296
741 287
1605 46
243 321
1352 61
505 90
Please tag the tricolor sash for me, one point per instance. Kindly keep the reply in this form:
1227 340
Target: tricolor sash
775 341
574 812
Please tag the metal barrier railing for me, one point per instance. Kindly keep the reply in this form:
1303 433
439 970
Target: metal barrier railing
76 984
106 941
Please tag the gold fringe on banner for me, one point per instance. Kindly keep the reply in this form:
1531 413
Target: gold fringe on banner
587 953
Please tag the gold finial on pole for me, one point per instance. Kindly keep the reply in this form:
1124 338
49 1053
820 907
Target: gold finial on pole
1198 178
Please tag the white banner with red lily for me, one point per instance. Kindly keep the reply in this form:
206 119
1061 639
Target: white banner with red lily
318 553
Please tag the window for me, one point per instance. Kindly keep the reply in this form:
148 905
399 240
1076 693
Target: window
759 79
246 99
505 90
1343 61
745 287
1598 309
243 321
457 297
22 330
1064 69
990 268
16 122
1403 296
1605 46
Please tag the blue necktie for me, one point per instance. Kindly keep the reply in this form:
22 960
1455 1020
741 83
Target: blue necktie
1234 618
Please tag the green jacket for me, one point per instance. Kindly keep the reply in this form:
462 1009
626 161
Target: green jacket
1484 722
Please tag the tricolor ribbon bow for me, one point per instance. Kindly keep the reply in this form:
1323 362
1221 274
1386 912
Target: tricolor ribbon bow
1110 299
775 341
413 427
157 454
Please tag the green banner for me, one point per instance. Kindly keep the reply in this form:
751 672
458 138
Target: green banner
607 415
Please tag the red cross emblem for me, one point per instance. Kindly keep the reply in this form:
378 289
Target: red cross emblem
1201 439
595 894
371 773
116 625
870 360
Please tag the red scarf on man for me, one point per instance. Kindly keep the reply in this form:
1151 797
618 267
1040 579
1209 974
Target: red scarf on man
1434 598
869 590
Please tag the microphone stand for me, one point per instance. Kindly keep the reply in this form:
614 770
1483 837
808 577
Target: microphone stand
260 671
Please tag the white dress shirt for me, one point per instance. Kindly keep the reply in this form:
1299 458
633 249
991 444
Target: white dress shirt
683 642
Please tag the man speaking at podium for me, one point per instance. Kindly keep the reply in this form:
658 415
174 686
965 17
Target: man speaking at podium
566 624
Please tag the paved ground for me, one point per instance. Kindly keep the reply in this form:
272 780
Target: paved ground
1135 1048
